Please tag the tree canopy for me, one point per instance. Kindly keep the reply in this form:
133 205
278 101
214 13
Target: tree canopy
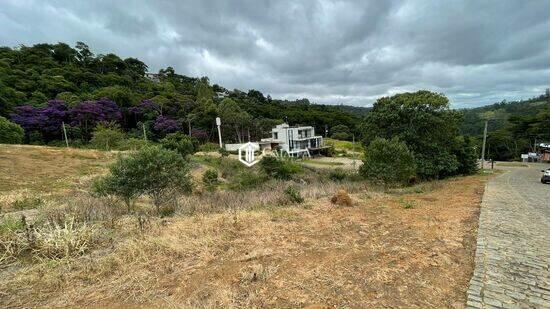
55 83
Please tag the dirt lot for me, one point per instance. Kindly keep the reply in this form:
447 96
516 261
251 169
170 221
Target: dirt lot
406 248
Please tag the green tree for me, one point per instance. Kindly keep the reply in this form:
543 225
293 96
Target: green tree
341 132
107 136
182 143
153 171
388 162
234 118
424 122
10 133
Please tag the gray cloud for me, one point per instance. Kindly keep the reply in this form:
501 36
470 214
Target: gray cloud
352 52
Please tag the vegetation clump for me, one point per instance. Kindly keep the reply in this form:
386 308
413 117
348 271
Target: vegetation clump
278 168
388 162
107 136
210 178
10 133
153 171
341 198
337 174
427 126
293 195
183 144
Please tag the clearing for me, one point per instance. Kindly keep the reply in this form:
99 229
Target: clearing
411 247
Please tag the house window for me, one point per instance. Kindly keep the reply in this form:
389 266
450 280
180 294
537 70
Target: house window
275 135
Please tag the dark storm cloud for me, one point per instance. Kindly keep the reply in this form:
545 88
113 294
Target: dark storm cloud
352 52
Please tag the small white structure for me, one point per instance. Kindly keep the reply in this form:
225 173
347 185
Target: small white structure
294 140
246 154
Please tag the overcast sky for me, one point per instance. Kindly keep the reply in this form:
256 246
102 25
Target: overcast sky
351 52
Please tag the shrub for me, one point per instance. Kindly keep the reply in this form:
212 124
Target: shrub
223 152
153 171
293 195
134 144
107 136
388 162
27 203
209 147
278 168
246 179
10 133
183 144
210 178
340 136
466 155
337 174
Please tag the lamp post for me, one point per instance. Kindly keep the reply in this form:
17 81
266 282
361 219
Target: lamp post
218 124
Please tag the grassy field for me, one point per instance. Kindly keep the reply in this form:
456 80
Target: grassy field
409 247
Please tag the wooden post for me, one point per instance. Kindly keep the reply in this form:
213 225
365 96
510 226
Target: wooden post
65 134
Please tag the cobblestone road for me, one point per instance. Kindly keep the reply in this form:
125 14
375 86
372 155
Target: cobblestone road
513 246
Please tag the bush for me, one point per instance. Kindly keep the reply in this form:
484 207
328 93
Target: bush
278 168
466 155
107 137
337 174
210 178
246 179
153 171
28 203
388 162
10 133
209 147
183 144
134 144
340 136
293 195
223 152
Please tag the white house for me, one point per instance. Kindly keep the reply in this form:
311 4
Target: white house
296 141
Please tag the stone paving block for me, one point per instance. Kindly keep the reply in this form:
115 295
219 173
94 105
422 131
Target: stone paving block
513 248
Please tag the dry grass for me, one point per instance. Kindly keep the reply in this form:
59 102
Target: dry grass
374 254
231 249
45 172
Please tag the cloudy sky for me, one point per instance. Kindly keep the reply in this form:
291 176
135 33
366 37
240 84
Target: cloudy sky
351 52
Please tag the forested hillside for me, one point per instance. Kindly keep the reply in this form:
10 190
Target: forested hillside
514 127
54 83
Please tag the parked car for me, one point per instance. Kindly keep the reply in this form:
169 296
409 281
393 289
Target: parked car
546 176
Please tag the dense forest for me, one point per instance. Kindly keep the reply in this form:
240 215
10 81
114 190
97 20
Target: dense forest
46 85
513 127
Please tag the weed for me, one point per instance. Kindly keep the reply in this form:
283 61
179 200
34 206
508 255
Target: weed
28 203
210 178
406 204
337 174
293 195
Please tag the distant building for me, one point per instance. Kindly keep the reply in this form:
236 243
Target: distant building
153 77
295 140
221 95
292 140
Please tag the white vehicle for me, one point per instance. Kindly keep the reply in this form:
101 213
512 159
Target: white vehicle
546 176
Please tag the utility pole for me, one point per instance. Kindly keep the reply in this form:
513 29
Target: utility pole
354 151
218 124
65 134
483 147
144 132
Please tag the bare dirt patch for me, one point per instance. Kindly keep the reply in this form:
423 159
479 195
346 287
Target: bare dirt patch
378 253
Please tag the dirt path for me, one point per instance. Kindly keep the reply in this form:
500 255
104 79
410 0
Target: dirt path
513 247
